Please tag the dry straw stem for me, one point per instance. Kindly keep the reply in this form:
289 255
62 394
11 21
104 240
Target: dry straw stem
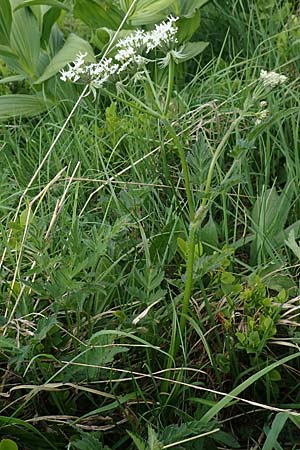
48 153
55 215
67 419
139 375
208 433
36 389
39 198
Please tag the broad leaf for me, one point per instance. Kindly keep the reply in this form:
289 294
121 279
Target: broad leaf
55 3
5 22
98 14
147 11
49 19
187 8
12 79
25 40
190 50
7 51
187 26
269 215
22 105
72 47
8 444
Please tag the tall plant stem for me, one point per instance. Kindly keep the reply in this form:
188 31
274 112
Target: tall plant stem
170 85
184 167
215 159
195 222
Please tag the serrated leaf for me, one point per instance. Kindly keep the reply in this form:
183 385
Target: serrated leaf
176 433
22 105
140 444
72 47
101 353
153 442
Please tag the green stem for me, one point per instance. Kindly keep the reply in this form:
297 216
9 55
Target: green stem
215 159
196 219
170 85
142 107
153 91
184 167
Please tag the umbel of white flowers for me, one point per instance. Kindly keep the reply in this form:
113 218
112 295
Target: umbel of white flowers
271 79
130 51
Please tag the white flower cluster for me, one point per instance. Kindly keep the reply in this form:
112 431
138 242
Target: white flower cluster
129 53
263 114
75 71
271 79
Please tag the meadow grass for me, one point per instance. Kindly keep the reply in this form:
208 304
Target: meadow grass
95 350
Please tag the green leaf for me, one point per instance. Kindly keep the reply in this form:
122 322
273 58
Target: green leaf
49 19
190 50
25 40
8 444
182 247
88 441
276 428
292 244
163 247
153 441
5 22
147 11
13 421
55 3
187 26
22 105
138 441
12 79
269 215
187 7
97 15
243 386
225 438
7 51
73 45
209 233
101 353
227 278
